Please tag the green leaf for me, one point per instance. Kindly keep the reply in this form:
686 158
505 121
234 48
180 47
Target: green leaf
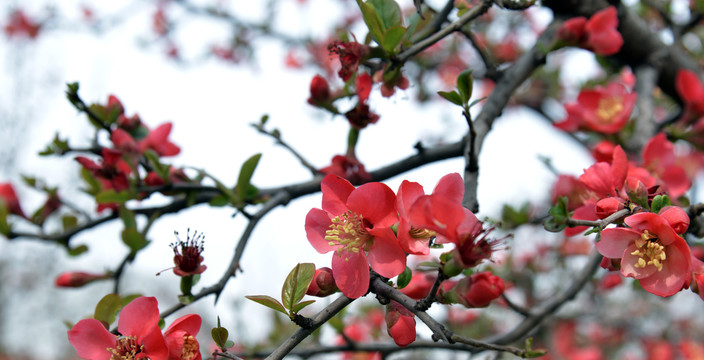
128 298
78 250
110 197
465 84
107 308
220 335
163 170
268 301
404 278
389 12
69 222
550 224
373 21
392 38
246 172
134 239
559 210
659 202
451 96
229 344
186 299
218 201
296 284
298 307
94 185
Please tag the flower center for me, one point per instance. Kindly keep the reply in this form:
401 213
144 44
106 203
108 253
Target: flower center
421 234
349 231
190 348
126 348
608 108
650 251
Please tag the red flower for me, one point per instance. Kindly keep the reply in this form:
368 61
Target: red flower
419 286
569 186
360 116
480 289
400 324
676 217
606 179
188 261
659 158
347 167
323 283
158 141
351 54
598 34
8 198
20 25
691 90
77 278
355 224
319 91
604 110
364 83
650 251
181 338
140 336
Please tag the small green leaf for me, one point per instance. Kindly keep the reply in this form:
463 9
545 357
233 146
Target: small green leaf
404 278
220 335
392 38
451 96
296 308
186 299
373 21
246 172
465 84
78 250
430 264
110 197
659 202
389 12
128 298
134 239
559 210
218 201
229 344
107 308
69 222
550 224
296 284
268 301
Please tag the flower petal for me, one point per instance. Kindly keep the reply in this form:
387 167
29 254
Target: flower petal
376 202
335 190
629 262
190 323
614 241
351 273
385 255
674 273
317 223
91 340
450 186
139 317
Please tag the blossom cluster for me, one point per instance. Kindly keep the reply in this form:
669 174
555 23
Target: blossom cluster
138 335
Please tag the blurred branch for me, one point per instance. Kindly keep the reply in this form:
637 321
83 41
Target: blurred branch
645 126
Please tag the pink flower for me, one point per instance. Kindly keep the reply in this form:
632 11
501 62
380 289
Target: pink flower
690 88
8 197
602 36
650 251
355 224
604 110
140 336
181 338
158 141
659 158
400 324
348 167
676 217
20 25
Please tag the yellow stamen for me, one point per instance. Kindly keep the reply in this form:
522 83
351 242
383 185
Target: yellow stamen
348 230
650 251
421 233
190 348
608 108
126 348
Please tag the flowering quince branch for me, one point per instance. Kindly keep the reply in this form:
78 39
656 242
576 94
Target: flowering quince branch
277 136
600 224
425 303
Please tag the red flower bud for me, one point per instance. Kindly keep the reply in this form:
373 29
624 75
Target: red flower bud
608 206
400 324
610 281
8 197
676 217
323 283
480 289
572 30
77 278
115 105
319 91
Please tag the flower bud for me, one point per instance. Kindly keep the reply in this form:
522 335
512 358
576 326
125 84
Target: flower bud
572 30
636 191
610 281
479 289
676 217
608 206
115 105
8 197
604 151
77 278
323 283
319 91
400 324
